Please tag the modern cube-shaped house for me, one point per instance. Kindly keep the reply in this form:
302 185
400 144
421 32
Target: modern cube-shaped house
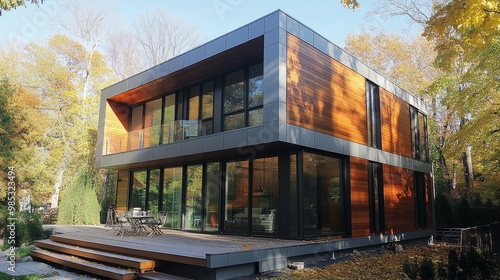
270 130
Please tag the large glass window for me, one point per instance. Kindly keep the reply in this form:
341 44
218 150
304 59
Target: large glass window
152 123
139 184
419 134
212 197
236 197
376 192
323 190
373 115
168 119
172 196
243 98
421 204
194 202
135 135
264 214
153 191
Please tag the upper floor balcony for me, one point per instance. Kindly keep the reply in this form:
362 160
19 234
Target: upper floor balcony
153 136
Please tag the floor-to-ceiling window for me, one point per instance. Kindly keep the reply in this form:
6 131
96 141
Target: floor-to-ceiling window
212 196
138 194
193 203
236 196
323 190
172 196
153 191
264 214
152 123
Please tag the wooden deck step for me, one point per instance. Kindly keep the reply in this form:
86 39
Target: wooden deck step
159 276
96 255
83 265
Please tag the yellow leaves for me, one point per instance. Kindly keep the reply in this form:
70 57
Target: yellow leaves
350 4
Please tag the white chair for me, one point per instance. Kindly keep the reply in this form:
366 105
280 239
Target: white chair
268 221
157 224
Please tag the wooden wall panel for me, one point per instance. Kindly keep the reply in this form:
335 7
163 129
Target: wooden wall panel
324 95
360 211
396 124
399 199
122 190
115 133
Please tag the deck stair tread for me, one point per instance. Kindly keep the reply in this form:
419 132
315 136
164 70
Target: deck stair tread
84 265
97 255
159 276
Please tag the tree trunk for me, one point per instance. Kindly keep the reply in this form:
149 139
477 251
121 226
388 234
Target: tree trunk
57 186
468 172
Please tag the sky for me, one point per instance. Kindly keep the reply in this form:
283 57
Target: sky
213 17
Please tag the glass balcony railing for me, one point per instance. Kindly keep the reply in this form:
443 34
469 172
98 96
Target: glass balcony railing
153 136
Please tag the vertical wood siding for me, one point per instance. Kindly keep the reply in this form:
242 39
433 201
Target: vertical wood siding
324 95
396 128
360 211
122 190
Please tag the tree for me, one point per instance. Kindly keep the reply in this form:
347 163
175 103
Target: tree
162 36
7 5
350 4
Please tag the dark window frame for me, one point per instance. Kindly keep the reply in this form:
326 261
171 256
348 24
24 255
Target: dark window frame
247 108
376 197
419 184
373 115
419 150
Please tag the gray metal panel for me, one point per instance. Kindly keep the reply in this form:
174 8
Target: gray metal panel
235 139
292 26
131 157
293 134
242 257
272 37
146 154
163 69
256 29
149 75
174 150
134 81
275 20
282 73
97 161
271 73
102 113
159 152
100 141
237 37
256 135
192 146
194 56
306 34
271 112
216 46
213 142
176 63
117 88
104 93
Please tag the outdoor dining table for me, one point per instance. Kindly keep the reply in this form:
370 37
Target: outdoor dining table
139 223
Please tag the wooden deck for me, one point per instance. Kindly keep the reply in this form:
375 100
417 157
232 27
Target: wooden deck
184 251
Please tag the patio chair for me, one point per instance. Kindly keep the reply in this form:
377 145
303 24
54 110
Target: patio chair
157 224
124 225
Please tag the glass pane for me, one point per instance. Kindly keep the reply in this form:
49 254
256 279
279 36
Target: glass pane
322 194
234 92
154 188
207 107
172 196
255 117
234 121
265 195
212 197
193 197
152 120
169 117
236 218
207 127
422 129
135 139
255 86
139 190
194 103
